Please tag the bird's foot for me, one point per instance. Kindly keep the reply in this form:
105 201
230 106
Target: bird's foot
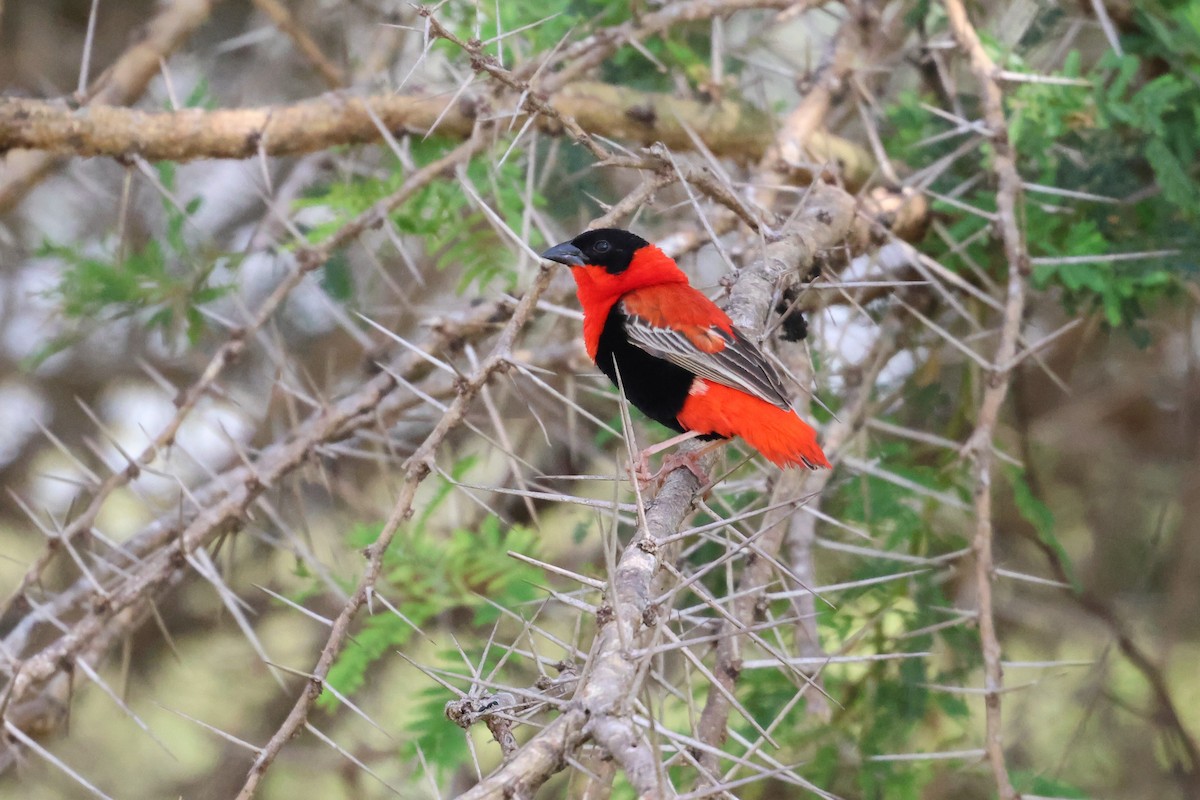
641 472
690 460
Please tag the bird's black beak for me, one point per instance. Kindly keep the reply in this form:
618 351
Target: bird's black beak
565 253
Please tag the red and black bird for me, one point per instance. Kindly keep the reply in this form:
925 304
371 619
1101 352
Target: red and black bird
680 359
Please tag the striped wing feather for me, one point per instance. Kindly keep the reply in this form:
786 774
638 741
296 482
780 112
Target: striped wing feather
726 357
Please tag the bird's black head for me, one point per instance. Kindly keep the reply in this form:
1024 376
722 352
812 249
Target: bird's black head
611 248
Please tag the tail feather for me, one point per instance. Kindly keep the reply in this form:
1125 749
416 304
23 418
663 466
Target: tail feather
780 435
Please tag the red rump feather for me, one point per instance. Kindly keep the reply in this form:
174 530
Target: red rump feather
779 435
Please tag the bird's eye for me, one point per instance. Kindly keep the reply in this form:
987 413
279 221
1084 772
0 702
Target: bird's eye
602 246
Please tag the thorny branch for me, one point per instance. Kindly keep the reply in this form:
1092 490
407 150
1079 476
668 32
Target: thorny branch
308 259
417 469
150 560
605 723
777 527
121 84
610 724
793 143
979 446
332 74
728 127
581 57
601 709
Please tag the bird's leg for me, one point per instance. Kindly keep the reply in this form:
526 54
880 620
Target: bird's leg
674 440
642 471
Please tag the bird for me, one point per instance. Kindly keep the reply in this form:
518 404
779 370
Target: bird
675 354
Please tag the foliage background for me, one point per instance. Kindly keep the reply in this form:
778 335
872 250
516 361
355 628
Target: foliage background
122 277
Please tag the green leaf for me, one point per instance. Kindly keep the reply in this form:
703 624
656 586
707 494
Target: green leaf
426 575
441 217
1172 174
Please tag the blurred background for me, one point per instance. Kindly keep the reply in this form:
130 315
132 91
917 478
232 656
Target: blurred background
171 312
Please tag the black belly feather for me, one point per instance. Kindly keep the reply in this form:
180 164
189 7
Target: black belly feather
654 386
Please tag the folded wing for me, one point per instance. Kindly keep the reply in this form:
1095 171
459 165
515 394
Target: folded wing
716 351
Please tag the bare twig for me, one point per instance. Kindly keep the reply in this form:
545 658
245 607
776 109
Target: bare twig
758 574
417 469
121 84
32 701
332 74
979 446
794 144
308 258
630 622
727 127
579 58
